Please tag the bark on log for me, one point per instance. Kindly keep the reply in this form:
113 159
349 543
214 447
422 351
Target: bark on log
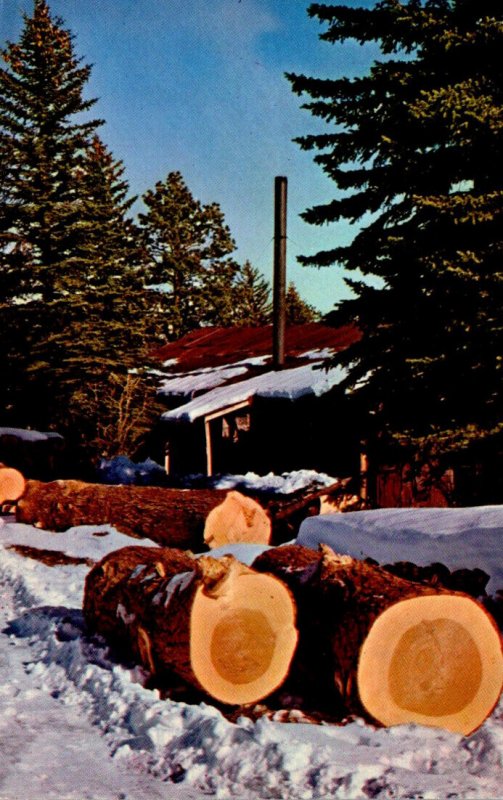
171 517
12 484
396 651
216 624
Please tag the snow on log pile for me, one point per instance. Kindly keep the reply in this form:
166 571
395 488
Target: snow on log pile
372 643
459 538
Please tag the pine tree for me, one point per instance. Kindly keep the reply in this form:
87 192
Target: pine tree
42 144
413 147
108 322
190 247
252 305
298 312
73 307
43 139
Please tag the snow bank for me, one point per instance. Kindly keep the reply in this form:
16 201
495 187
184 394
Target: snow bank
457 537
28 435
62 692
286 483
122 470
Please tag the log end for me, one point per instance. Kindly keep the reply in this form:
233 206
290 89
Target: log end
237 519
243 636
434 660
12 484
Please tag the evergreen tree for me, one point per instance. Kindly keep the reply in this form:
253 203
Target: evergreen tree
73 307
43 139
42 144
252 305
298 312
107 323
413 147
190 248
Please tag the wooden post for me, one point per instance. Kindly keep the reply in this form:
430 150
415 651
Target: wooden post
364 468
209 453
279 283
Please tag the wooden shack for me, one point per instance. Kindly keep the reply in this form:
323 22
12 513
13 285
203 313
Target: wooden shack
229 410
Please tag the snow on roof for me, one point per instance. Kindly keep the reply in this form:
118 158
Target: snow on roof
290 384
198 381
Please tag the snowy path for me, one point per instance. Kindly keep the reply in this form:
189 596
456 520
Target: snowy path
75 726
48 748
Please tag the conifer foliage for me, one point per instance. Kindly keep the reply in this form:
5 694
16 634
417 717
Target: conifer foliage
414 147
73 306
190 249
253 304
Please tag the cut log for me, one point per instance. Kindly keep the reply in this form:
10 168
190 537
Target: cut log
398 651
237 519
12 484
171 517
215 623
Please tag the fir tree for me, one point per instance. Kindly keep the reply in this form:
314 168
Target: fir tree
42 143
190 250
298 312
108 324
413 147
252 303
42 146
73 307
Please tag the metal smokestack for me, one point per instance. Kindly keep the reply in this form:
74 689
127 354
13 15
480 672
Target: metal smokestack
279 275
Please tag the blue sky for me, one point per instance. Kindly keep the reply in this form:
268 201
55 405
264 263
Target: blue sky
198 86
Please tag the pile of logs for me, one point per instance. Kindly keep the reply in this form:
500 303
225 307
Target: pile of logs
328 632
184 518
329 629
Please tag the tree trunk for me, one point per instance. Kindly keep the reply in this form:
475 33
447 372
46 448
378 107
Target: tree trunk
185 518
220 627
395 650
12 484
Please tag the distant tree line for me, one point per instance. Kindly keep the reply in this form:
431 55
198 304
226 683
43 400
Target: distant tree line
415 148
86 292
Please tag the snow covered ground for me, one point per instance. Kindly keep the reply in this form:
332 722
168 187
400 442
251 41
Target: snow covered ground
75 726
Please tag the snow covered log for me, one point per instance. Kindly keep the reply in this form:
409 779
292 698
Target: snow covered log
459 538
12 484
185 518
215 623
395 650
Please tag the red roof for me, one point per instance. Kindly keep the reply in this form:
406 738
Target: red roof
213 347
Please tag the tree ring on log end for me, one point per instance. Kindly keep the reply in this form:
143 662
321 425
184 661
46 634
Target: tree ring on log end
242 645
243 637
434 660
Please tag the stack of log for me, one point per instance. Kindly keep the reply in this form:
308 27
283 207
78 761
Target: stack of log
184 518
326 628
326 631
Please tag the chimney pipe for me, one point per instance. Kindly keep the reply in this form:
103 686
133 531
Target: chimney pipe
279 277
